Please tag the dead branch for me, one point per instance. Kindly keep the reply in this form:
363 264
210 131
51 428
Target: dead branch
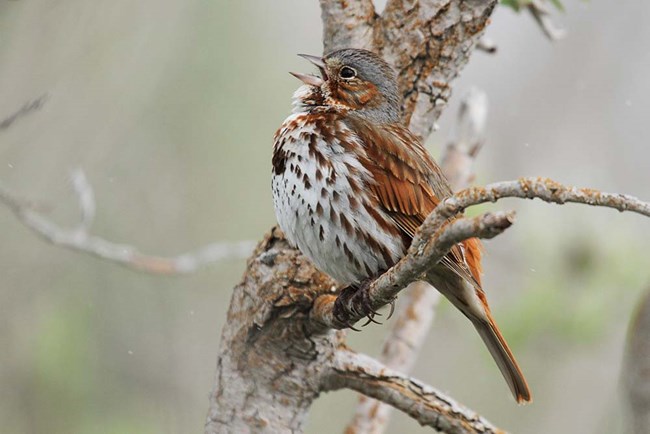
80 239
422 402
541 188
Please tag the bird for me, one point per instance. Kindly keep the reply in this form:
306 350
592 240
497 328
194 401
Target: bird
352 184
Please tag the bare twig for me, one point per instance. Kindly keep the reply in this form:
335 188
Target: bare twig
80 239
25 110
86 198
416 309
423 403
540 11
545 189
528 188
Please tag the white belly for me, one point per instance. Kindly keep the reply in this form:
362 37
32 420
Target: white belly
315 211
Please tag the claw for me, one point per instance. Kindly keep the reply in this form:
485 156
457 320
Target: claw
392 309
371 319
347 323
353 328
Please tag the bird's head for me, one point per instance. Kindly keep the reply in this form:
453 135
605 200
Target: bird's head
358 81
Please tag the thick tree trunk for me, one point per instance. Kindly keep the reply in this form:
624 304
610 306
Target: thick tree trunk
271 363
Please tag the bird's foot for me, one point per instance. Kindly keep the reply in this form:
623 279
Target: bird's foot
354 302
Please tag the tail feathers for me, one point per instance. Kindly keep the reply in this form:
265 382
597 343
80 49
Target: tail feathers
504 358
471 301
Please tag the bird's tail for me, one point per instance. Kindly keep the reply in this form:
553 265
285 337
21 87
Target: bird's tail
471 301
503 357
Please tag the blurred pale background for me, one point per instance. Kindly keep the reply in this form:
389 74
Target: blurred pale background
169 106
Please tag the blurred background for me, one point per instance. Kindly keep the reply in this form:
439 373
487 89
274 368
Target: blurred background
170 105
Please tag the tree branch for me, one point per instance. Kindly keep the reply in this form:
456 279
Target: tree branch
423 403
429 42
436 236
410 268
80 239
347 24
541 188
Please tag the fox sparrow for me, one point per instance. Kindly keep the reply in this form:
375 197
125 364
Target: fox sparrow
351 185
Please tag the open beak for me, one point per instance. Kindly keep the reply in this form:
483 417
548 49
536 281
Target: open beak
318 61
312 80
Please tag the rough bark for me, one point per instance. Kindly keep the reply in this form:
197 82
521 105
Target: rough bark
271 365
429 43
408 331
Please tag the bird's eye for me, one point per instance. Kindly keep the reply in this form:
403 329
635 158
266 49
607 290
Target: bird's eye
347 73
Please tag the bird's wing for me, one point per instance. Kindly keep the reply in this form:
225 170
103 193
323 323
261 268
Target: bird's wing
409 185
